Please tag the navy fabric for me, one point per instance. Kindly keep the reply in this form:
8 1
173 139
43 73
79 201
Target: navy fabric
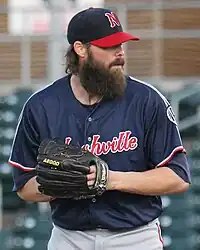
136 132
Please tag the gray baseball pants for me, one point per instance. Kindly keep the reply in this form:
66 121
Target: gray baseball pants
147 237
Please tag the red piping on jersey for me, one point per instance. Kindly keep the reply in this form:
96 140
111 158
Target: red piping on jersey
162 163
166 160
17 165
159 235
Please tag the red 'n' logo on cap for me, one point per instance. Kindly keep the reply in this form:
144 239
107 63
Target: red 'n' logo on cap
112 19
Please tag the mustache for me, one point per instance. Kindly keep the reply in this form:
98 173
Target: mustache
99 80
117 62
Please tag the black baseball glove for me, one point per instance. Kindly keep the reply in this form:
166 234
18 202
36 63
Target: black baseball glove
62 171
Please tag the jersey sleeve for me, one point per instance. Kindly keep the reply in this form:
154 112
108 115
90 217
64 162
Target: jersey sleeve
163 139
25 145
180 165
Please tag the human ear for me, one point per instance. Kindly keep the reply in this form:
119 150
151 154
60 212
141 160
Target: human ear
80 49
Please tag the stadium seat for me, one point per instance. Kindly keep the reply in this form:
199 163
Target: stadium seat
11 242
177 227
173 203
11 202
10 109
176 219
195 186
5 240
190 242
33 224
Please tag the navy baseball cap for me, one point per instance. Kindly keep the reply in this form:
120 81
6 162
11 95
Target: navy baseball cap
98 26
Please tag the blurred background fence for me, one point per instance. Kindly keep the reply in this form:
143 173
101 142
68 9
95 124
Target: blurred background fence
32 47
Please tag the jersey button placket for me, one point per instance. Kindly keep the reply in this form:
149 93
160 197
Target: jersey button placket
94 200
88 139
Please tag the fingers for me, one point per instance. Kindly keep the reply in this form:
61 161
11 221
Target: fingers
90 183
92 169
92 176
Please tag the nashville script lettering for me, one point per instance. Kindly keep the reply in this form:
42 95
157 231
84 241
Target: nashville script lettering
124 142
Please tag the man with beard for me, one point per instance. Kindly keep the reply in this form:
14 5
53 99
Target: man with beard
126 122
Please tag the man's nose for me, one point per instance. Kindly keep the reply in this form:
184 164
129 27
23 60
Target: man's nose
120 51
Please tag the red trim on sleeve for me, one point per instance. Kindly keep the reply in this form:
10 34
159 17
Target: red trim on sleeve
166 160
17 165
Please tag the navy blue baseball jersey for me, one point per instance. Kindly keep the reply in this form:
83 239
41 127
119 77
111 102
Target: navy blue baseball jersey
135 132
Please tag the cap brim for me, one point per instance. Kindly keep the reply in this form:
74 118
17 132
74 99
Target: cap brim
114 40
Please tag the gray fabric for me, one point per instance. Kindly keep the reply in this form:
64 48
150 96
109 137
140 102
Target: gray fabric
144 238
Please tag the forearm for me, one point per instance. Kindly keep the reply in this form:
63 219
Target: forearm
158 181
30 192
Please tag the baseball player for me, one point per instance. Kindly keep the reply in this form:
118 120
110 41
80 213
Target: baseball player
126 123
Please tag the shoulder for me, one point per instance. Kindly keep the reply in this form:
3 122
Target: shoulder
49 92
156 103
146 91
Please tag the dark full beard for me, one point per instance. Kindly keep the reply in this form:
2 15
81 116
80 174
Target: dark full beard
101 81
